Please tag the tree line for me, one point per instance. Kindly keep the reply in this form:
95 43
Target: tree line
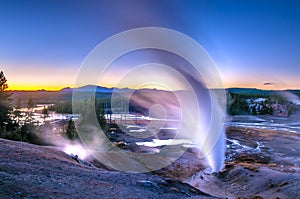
246 104
11 127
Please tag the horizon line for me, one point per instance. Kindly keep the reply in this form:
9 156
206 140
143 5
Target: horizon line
68 87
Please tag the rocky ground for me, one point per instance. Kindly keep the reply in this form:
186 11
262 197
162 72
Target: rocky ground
260 163
30 171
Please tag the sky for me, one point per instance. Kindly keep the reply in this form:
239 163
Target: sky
254 43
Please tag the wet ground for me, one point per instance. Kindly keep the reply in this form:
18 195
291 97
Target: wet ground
267 122
262 160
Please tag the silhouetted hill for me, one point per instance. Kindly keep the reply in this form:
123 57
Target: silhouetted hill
93 88
296 92
249 91
65 94
41 97
67 89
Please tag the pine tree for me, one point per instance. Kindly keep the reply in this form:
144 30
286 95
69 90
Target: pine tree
71 130
45 113
29 114
30 103
5 102
17 112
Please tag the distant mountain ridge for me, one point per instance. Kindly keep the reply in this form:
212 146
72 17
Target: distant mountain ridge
255 91
249 91
65 94
93 88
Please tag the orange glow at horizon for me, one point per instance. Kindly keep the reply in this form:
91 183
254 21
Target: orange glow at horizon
53 79
31 78
260 85
57 87
34 87
263 81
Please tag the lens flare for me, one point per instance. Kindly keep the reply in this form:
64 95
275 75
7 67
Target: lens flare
191 100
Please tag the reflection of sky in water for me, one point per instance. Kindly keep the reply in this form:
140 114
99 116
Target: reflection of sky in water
39 118
157 142
267 122
288 127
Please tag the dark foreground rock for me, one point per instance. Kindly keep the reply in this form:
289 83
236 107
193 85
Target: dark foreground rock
260 164
249 181
30 171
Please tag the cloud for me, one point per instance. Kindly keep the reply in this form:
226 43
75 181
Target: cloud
269 84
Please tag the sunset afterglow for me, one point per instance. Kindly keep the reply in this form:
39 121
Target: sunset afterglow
254 43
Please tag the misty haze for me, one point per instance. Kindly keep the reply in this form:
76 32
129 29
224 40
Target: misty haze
149 99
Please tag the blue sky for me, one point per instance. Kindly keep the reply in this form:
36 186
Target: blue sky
43 43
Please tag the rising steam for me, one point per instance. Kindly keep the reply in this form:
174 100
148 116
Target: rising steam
198 106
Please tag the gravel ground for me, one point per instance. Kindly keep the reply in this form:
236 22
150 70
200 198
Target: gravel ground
30 171
259 164
265 164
